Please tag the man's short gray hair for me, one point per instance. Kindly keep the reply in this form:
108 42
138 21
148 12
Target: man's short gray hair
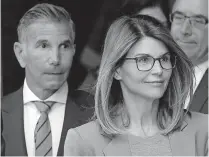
45 11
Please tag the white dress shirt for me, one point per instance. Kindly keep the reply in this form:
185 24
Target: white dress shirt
199 71
56 116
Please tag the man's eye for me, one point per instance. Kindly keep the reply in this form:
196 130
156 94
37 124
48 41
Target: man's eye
178 17
199 20
43 45
65 46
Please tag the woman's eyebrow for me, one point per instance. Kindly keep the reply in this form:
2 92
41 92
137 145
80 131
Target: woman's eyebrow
142 54
145 54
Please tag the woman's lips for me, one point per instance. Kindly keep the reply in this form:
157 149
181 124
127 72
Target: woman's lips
155 83
186 42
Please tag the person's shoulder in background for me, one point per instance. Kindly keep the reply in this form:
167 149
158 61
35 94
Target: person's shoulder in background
83 99
80 106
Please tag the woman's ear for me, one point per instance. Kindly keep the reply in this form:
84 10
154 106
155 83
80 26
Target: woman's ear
117 74
19 53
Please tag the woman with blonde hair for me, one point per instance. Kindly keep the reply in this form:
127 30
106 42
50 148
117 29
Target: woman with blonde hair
143 82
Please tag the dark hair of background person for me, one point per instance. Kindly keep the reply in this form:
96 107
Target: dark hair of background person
131 7
83 13
170 5
111 10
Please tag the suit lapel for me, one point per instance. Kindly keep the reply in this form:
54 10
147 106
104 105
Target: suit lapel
119 146
73 118
14 127
201 95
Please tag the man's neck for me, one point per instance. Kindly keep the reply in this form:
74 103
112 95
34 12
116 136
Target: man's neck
43 94
40 92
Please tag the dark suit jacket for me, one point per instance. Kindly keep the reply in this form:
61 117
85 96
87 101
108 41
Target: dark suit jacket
89 139
200 100
77 112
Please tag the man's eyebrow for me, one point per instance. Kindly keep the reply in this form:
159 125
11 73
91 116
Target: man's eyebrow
68 41
179 12
195 15
200 16
41 41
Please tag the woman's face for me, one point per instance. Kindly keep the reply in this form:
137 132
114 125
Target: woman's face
149 84
155 12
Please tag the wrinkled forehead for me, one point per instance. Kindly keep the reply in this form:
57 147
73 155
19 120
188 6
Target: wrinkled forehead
191 7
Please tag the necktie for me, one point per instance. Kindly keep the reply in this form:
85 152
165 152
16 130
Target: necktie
42 134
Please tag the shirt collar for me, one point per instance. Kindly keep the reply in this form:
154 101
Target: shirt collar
201 68
59 96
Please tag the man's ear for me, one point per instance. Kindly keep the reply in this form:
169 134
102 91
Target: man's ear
74 49
19 53
117 74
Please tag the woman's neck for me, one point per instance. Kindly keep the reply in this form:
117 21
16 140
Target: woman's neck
143 115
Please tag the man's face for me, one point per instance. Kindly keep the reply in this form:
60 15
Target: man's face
192 39
48 52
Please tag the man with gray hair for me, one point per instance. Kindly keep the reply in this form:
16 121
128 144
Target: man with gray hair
36 118
189 27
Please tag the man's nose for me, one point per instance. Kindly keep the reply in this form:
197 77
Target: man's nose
54 57
186 28
157 69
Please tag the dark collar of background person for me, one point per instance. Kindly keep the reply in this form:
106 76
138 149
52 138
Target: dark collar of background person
79 110
200 99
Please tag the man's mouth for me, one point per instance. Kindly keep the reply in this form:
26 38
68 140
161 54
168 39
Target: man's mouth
54 73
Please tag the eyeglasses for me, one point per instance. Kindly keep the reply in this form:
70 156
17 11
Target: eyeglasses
198 21
146 62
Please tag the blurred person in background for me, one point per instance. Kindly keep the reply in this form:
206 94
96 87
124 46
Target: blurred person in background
189 28
91 54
